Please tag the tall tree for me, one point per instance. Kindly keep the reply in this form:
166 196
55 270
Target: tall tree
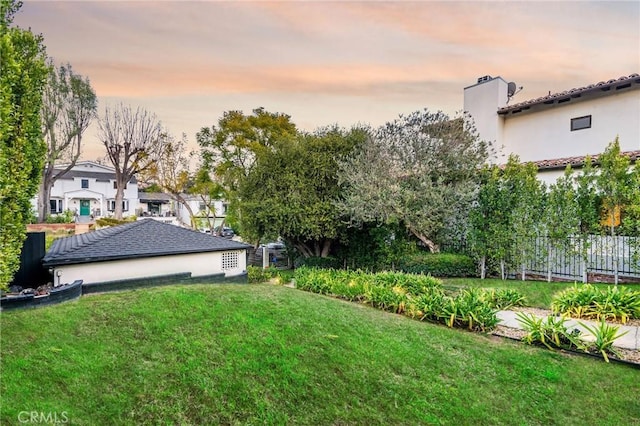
614 180
588 210
230 149
526 195
562 219
132 140
172 171
207 191
489 232
69 105
23 73
419 170
293 189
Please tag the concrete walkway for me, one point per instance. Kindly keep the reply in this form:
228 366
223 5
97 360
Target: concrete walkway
629 341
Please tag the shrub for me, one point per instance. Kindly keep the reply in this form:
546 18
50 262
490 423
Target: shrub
587 301
472 310
549 331
256 274
439 265
504 298
66 217
604 335
417 296
318 262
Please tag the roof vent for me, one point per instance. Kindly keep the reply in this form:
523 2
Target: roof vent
484 78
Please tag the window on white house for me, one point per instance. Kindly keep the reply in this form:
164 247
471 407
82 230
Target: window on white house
580 123
115 185
111 205
55 206
85 183
229 260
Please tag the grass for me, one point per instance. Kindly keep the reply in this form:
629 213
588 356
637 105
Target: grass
538 293
264 354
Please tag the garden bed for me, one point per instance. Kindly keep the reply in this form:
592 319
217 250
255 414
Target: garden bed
31 299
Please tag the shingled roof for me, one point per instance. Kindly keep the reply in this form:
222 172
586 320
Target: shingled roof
143 238
603 87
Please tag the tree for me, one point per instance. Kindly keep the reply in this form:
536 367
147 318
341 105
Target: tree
419 170
614 182
23 73
292 191
208 191
525 207
230 149
588 210
489 231
171 172
133 141
69 105
562 219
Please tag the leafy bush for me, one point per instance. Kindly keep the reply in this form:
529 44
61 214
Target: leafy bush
587 301
471 309
318 262
256 274
66 217
549 331
440 265
504 298
110 221
417 296
604 335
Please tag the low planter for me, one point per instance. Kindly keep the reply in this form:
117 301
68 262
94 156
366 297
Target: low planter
500 333
56 295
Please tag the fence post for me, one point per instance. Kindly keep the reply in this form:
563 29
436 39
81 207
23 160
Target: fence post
265 257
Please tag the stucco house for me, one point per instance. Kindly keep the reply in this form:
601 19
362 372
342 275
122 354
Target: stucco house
144 250
89 190
162 207
560 128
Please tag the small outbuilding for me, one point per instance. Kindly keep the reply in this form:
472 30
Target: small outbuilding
142 253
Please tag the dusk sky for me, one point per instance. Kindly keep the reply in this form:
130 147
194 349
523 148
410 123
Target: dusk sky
328 62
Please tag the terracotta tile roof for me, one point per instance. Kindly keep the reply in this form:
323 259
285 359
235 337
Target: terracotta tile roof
143 238
561 163
619 83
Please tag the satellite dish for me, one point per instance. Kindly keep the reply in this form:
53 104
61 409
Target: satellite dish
511 89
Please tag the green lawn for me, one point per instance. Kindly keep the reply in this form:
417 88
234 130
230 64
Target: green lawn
538 293
263 354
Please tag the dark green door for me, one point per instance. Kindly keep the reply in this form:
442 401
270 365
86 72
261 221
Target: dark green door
84 207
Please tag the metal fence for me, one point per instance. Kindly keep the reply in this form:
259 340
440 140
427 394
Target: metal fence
577 258
574 258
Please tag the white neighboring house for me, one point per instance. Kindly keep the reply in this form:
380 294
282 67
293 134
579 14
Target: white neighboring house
89 190
161 207
560 128
203 215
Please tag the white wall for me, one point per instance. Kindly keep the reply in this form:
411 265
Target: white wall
547 134
194 203
199 264
482 102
